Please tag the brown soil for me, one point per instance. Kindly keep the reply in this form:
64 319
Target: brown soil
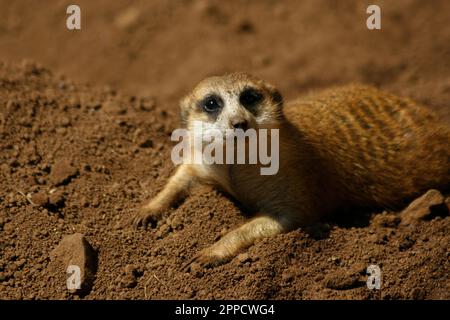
81 159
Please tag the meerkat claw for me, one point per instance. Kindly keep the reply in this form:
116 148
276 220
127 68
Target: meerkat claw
144 218
187 265
207 258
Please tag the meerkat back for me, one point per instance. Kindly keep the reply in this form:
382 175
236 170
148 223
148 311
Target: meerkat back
382 149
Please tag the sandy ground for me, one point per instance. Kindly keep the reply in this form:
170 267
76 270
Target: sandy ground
108 143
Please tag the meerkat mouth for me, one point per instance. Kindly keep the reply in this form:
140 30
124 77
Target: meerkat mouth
230 146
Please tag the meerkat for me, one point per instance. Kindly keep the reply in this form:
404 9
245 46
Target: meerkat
346 146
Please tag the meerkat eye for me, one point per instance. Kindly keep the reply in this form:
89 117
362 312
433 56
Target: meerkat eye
250 97
212 103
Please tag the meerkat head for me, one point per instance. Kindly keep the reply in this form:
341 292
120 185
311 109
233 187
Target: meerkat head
233 101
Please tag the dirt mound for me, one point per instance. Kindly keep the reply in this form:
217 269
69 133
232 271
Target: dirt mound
77 159
164 48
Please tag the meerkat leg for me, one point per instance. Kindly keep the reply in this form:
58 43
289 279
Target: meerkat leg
175 190
227 247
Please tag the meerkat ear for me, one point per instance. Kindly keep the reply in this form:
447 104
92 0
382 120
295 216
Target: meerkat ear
275 95
184 107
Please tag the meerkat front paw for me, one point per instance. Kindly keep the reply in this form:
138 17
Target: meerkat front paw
210 257
147 215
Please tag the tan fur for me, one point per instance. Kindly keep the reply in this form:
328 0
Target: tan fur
352 145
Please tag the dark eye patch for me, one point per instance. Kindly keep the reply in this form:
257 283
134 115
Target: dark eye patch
211 104
250 97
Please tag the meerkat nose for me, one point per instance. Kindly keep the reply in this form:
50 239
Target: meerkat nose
239 124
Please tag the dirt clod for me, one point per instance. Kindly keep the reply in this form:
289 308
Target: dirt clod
62 172
56 199
387 220
244 257
341 280
114 107
421 207
40 199
75 250
129 279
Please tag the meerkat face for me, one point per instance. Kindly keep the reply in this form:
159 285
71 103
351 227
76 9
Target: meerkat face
234 101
